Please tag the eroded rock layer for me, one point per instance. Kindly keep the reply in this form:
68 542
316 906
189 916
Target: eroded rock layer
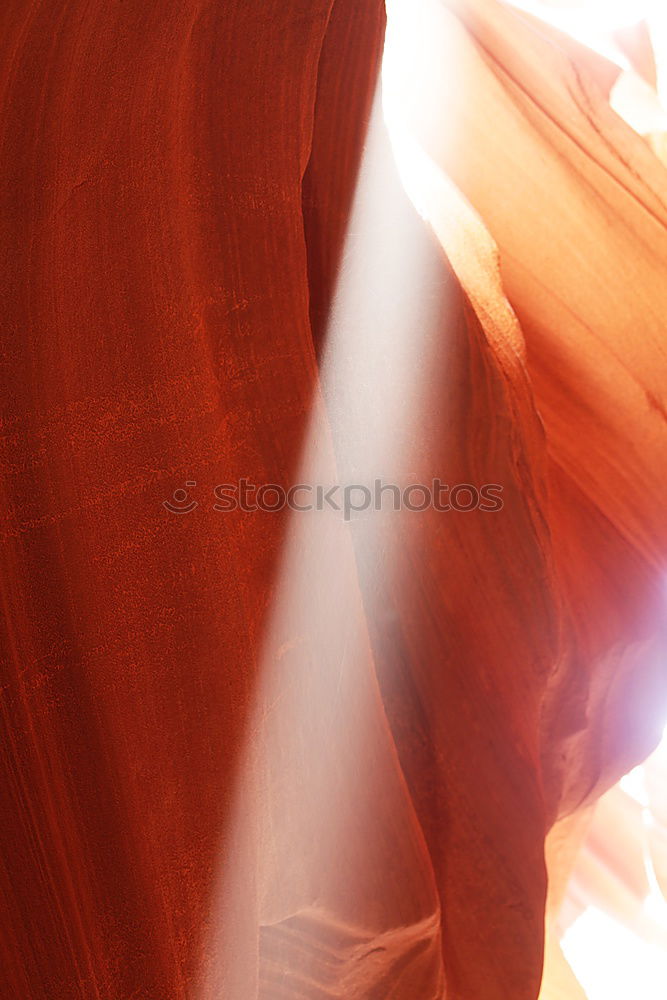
264 755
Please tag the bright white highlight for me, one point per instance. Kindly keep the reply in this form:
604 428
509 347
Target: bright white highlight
611 962
593 23
614 960
589 19
634 785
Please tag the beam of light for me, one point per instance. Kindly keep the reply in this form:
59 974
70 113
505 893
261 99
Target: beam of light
315 795
470 249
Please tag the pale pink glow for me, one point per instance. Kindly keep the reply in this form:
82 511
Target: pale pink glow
617 944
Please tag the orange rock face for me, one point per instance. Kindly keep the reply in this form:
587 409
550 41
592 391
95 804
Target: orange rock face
274 755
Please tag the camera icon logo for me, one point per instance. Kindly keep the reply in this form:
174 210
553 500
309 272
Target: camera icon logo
179 503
